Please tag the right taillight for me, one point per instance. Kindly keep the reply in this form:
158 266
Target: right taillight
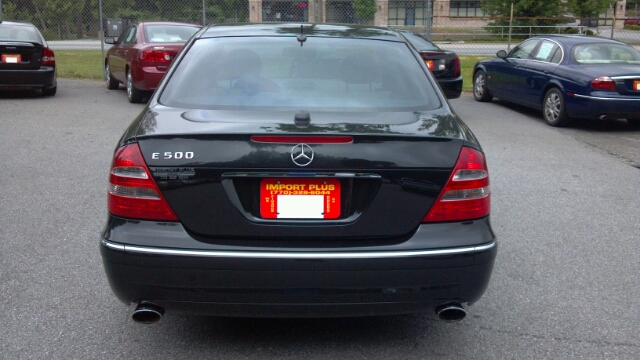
603 83
48 57
132 192
456 66
154 56
467 195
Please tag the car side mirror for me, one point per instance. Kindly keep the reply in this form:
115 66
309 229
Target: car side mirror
501 54
109 41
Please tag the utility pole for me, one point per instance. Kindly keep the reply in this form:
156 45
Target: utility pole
104 74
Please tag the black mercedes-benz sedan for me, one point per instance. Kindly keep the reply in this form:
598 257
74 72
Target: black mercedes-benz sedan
298 170
26 61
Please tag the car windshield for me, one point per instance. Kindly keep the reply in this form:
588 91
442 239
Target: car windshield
279 73
605 54
25 33
168 33
419 42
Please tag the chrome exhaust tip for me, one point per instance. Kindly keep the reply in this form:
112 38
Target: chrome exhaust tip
451 312
147 313
602 117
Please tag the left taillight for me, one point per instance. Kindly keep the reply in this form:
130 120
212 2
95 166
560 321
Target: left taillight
132 192
467 195
603 83
48 58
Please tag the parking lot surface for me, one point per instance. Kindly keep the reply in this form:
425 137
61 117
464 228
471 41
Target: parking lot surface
566 204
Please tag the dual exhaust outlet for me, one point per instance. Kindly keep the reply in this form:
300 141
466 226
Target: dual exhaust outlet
148 313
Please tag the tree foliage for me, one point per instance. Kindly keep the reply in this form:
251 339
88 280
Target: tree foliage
77 19
365 9
588 8
526 13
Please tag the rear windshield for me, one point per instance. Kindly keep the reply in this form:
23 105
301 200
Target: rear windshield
25 33
419 42
605 54
278 73
168 33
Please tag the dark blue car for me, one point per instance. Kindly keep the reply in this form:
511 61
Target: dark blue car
567 77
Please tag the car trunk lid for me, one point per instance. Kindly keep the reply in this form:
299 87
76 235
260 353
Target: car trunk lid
626 77
20 55
442 63
215 174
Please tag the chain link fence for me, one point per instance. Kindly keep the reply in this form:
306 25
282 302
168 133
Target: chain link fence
458 25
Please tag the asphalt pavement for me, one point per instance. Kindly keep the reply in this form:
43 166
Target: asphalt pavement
565 208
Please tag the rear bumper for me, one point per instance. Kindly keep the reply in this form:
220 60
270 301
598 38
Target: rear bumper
451 87
149 78
43 77
234 281
591 107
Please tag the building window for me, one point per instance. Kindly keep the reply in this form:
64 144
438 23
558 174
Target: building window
407 13
465 8
285 11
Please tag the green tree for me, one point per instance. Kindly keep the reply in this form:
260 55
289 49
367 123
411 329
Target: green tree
526 13
588 8
365 9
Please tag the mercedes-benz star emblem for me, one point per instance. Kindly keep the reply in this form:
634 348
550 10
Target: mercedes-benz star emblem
302 154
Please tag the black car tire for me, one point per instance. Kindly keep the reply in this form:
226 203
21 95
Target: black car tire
553 109
134 95
49 91
480 91
112 84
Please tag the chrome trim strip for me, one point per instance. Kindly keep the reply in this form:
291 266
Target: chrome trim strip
112 246
301 174
603 98
299 255
626 77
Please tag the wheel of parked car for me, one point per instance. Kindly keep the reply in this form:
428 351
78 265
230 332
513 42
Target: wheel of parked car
134 95
112 84
553 108
480 91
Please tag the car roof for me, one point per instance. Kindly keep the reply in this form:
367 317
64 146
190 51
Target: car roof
151 23
10 22
570 40
311 29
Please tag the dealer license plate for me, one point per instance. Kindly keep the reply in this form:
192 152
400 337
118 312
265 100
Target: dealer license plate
300 198
11 58
636 85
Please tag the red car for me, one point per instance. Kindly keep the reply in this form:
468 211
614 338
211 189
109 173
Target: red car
141 55
632 21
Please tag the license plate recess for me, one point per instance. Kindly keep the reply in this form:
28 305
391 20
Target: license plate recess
11 58
300 198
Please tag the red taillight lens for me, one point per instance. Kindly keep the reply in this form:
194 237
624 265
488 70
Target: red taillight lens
456 66
156 56
467 195
48 58
603 83
132 192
